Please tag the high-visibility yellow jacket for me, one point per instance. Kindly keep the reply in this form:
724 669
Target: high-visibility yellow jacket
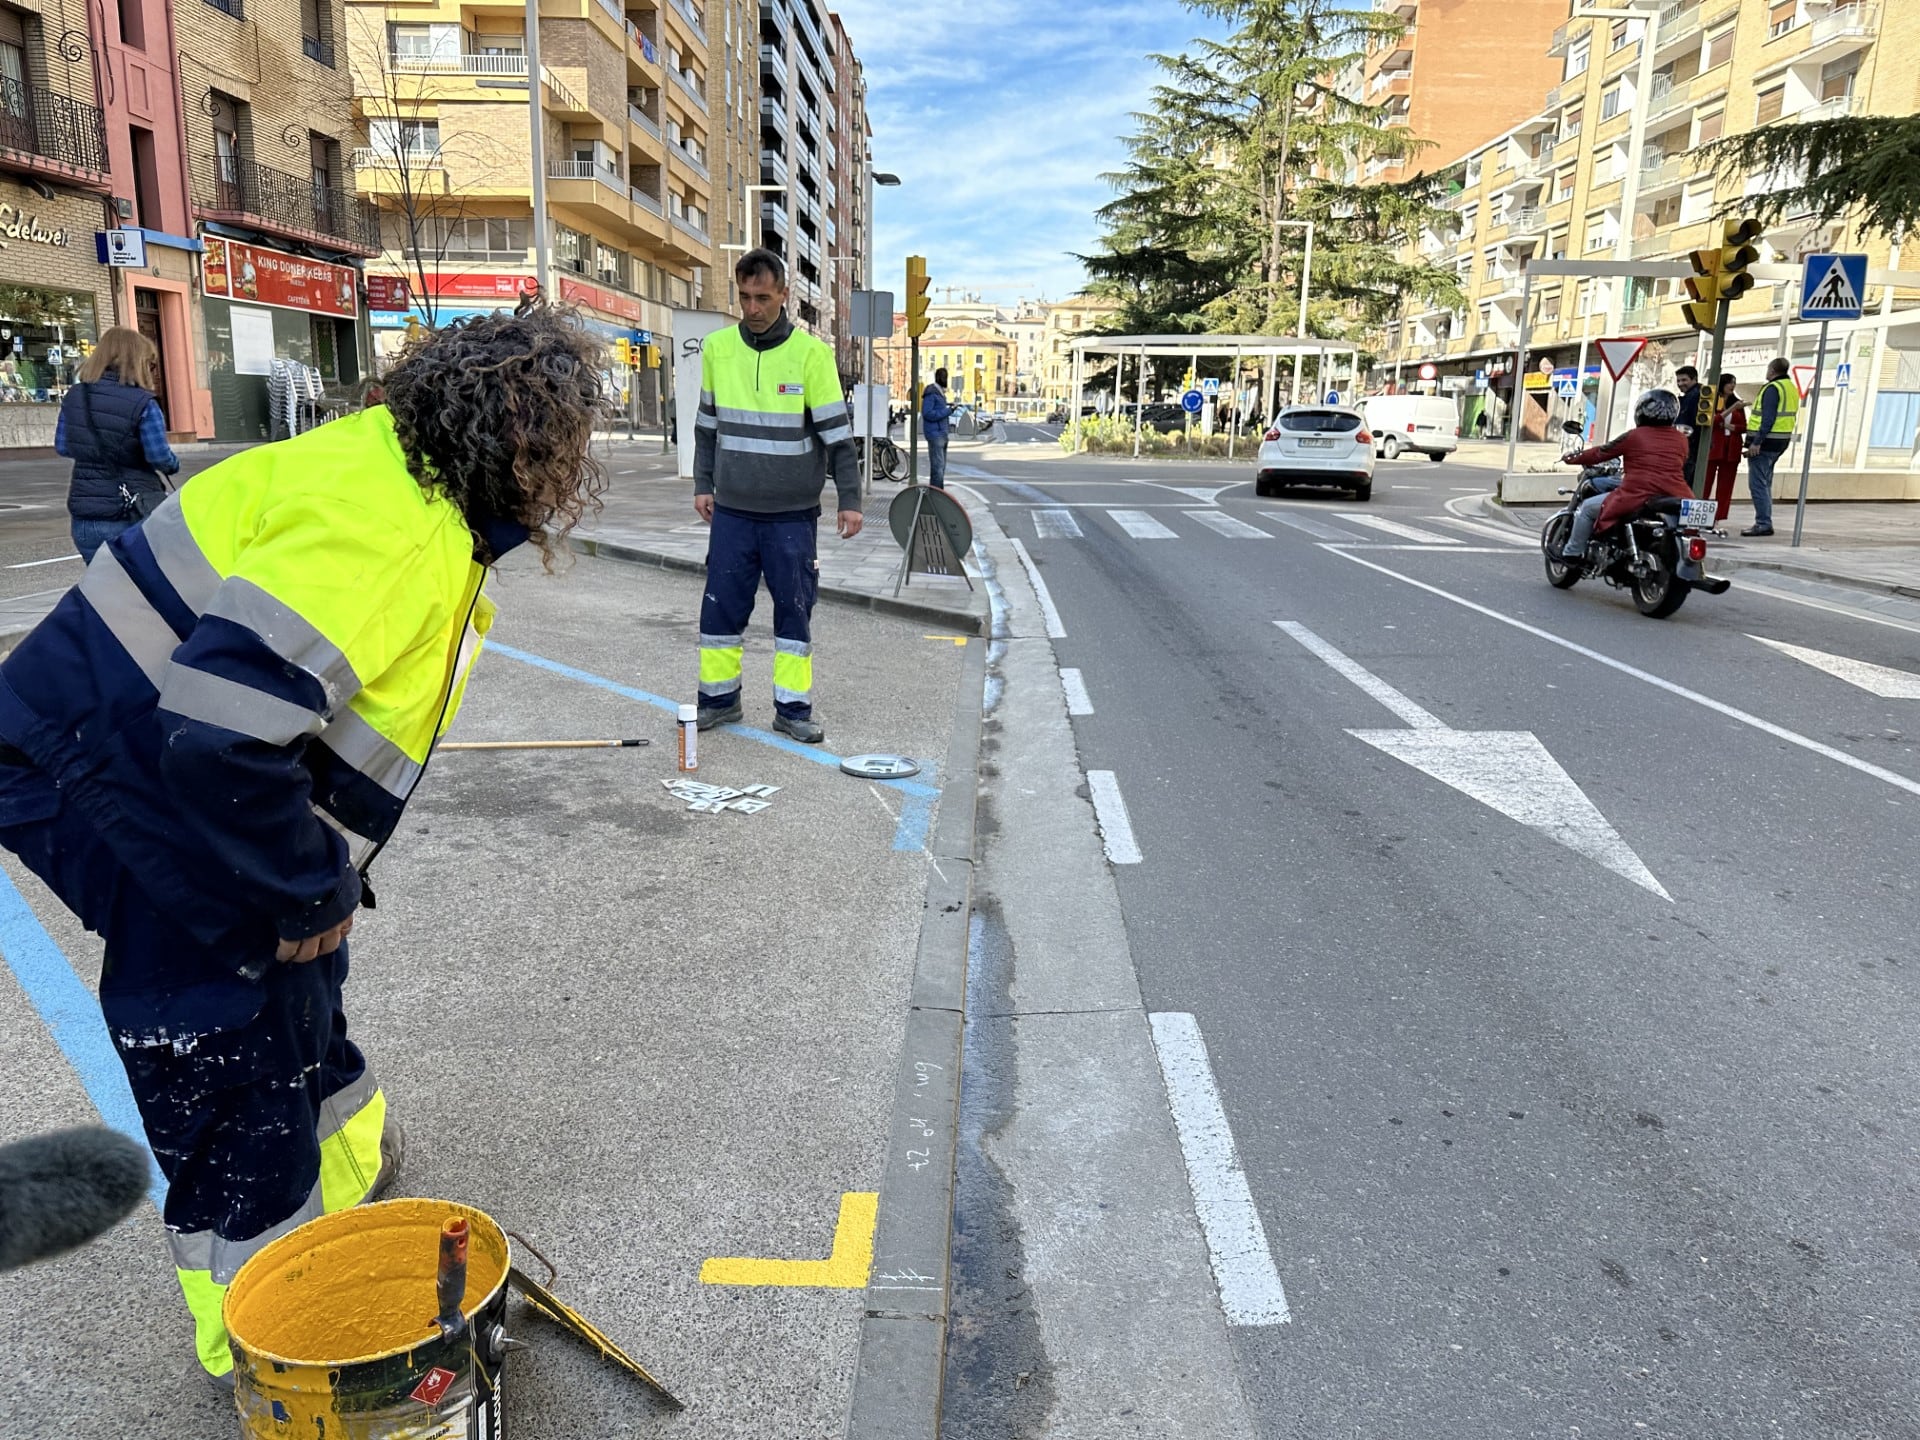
1786 410
772 419
242 692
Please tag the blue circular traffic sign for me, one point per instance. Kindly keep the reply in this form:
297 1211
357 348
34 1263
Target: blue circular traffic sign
1192 401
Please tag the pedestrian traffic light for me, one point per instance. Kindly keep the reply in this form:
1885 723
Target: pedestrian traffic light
916 295
1720 273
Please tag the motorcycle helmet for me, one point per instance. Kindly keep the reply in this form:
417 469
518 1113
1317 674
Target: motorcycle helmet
1657 407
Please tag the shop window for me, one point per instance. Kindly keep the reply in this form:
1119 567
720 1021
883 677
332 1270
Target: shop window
44 335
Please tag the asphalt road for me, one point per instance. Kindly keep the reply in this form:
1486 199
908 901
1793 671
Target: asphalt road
1590 1116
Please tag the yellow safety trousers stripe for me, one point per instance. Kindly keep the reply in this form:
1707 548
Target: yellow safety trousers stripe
719 663
793 674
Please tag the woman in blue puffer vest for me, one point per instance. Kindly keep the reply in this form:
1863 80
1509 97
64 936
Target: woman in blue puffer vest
112 429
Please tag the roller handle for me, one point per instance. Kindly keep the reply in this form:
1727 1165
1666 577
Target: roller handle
450 1282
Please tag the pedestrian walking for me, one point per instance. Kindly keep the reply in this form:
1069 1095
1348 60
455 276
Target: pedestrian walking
936 422
1687 379
1729 438
1767 441
207 741
112 429
773 424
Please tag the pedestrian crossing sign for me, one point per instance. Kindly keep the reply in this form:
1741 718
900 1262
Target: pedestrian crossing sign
1832 286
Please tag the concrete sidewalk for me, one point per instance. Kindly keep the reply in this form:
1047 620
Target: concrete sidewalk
647 517
643 1038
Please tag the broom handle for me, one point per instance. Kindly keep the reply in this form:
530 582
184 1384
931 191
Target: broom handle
540 744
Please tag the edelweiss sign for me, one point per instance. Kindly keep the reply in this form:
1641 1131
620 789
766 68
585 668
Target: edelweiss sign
17 226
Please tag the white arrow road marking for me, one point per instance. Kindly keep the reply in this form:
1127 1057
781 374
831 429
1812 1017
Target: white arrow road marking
1227 525
1079 702
1140 525
1116 826
1505 770
1394 527
1882 680
1055 629
1250 1288
1055 525
1511 771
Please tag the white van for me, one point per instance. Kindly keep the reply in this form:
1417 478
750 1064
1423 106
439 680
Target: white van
1427 423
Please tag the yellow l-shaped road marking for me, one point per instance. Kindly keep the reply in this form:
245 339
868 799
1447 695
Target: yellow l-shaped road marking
845 1269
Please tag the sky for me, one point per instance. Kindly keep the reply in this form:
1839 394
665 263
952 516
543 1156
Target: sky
999 117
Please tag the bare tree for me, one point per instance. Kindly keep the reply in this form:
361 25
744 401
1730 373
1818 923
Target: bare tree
420 204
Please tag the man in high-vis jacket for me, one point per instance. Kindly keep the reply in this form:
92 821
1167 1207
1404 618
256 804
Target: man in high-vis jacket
772 424
1768 436
205 743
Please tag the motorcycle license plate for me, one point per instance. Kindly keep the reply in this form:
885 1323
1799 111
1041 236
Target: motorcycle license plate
1696 512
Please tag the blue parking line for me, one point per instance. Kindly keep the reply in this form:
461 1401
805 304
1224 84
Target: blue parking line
72 1016
916 809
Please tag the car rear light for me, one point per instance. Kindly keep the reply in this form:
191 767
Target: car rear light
1363 438
1273 434
1696 549
1409 427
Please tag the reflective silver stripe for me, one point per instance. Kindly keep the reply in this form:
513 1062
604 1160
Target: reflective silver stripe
794 420
704 421
375 756
345 1103
179 556
835 434
793 647
749 445
720 687
722 642
216 700
706 399
289 634
145 637
791 697
822 414
222 1258
359 848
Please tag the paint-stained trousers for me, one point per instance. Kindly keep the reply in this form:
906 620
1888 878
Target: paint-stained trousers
740 550
258 1127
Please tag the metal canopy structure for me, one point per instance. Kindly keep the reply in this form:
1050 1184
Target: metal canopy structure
1238 348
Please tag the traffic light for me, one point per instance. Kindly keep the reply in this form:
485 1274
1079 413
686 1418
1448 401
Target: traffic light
653 356
623 351
1720 273
916 295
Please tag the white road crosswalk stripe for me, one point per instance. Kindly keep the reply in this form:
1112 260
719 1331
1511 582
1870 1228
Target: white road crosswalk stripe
1227 525
1243 1268
1116 826
1140 525
1490 532
1394 527
1319 529
1055 525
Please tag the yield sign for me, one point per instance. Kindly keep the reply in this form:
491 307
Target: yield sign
1803 379
1618 355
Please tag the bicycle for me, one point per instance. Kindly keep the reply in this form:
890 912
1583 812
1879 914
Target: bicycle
887 458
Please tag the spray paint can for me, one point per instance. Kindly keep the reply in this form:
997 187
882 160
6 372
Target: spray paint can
689 737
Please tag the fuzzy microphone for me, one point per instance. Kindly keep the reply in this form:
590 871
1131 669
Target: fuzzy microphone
60 1190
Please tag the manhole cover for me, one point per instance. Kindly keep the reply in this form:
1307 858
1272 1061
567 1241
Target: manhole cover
880 767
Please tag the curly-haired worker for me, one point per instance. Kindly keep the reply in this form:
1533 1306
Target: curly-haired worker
211 736
772 422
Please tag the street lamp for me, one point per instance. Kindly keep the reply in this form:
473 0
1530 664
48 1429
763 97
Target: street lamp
1306 278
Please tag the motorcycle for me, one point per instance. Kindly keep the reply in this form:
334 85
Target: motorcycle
1659 554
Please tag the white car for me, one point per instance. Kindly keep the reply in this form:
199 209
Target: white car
1428 424
1316 445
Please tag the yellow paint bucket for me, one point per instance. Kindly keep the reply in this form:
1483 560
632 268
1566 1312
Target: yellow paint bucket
334 1333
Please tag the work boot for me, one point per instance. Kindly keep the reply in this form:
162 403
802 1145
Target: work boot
807 732
393 1154
1758 530
220 1385
730 716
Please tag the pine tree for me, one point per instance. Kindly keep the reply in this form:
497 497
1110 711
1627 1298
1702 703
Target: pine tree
1867 167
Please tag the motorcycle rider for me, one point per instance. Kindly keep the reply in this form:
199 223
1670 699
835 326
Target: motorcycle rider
1654 458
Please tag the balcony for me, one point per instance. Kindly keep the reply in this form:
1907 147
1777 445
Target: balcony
646 202
403 162
229 7
686 81
1837 108
1841 30
1660 173
240 192
51 134
1647 247
1670 96
1678 22
773 168
645 121
691 14
683 155
514 66
586 170
1525 223
773 66
773 116
317 50
773 219
643 42
1644 316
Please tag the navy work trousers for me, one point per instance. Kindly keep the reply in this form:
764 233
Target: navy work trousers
741 549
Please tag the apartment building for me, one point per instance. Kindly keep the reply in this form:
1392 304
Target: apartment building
733 80
1066 322
1607 168
799 96
626 126
849 197
1459 72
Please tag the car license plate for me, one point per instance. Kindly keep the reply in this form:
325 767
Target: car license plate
1697 512
1316 444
